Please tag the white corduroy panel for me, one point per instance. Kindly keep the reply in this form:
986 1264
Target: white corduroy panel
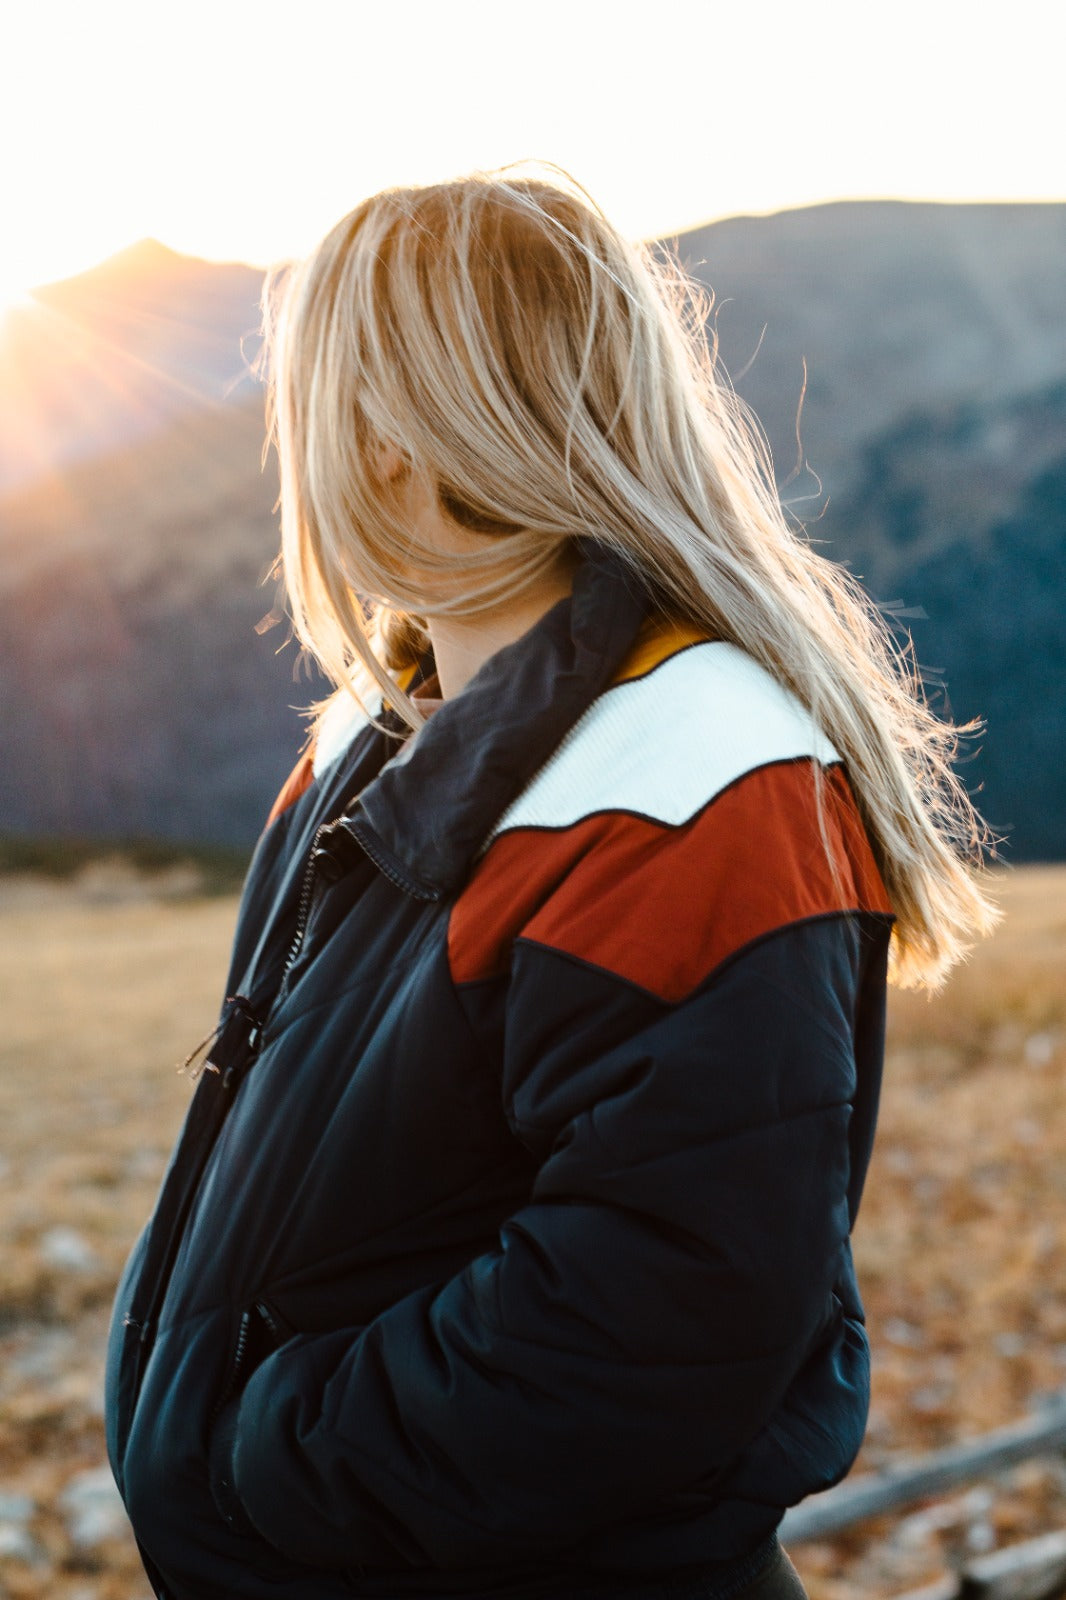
341 721
665 744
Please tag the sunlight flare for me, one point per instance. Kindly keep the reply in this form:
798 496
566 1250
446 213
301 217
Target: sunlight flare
14 297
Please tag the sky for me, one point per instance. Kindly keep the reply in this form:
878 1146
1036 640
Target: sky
242 129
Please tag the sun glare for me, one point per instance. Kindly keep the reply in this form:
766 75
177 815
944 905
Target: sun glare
13 297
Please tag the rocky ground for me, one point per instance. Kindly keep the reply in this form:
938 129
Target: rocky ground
961 1246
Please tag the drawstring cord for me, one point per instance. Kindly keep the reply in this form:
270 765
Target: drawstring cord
187 1067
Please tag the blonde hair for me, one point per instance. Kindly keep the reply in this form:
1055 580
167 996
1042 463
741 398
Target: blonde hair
553 380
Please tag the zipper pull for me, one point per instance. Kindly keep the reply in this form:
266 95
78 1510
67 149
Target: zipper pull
236 1044
187 1066
336 851
236 1032
280 1331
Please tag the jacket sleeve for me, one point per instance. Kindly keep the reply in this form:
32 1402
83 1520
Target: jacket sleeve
642 1315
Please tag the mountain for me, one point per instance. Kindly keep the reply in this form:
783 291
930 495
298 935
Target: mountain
136 696
894 307
959 513
91 363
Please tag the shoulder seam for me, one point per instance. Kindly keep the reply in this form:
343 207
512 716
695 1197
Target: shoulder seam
661 822
844 914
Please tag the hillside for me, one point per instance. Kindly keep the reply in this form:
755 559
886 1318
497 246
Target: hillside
93 362
136 696
895 307
959 514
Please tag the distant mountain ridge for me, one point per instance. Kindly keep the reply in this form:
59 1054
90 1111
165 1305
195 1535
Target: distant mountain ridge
137 697
961 512
894 306
94 362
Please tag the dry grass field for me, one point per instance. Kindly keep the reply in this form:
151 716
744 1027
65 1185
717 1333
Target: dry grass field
108 980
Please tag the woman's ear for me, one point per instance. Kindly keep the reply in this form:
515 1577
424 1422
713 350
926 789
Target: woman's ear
389 460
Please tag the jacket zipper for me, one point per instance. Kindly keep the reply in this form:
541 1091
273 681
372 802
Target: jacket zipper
236 1363
303 911
329 855
232 1055
329 858
279 1331
233 1046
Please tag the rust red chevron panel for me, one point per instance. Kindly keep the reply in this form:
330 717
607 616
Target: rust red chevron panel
297 783
663 905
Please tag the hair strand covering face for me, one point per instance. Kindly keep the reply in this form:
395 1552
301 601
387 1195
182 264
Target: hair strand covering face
550 380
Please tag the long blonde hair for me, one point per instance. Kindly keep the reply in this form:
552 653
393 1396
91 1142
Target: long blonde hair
551 380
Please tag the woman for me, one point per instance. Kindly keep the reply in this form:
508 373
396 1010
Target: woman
506 1247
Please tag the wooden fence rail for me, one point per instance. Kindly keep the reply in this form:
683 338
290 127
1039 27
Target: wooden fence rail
913 1478
1035 1570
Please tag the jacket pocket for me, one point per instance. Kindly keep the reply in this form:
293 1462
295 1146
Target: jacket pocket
260 1331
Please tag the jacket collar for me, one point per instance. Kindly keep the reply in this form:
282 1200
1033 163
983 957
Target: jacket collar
426 816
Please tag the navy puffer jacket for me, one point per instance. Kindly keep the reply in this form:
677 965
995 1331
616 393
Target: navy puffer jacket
507 1240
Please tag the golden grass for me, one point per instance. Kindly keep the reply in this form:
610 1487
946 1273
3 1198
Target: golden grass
105 999
104 991
961 1244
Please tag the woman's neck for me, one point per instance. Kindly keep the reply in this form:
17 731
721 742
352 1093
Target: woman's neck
462 645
